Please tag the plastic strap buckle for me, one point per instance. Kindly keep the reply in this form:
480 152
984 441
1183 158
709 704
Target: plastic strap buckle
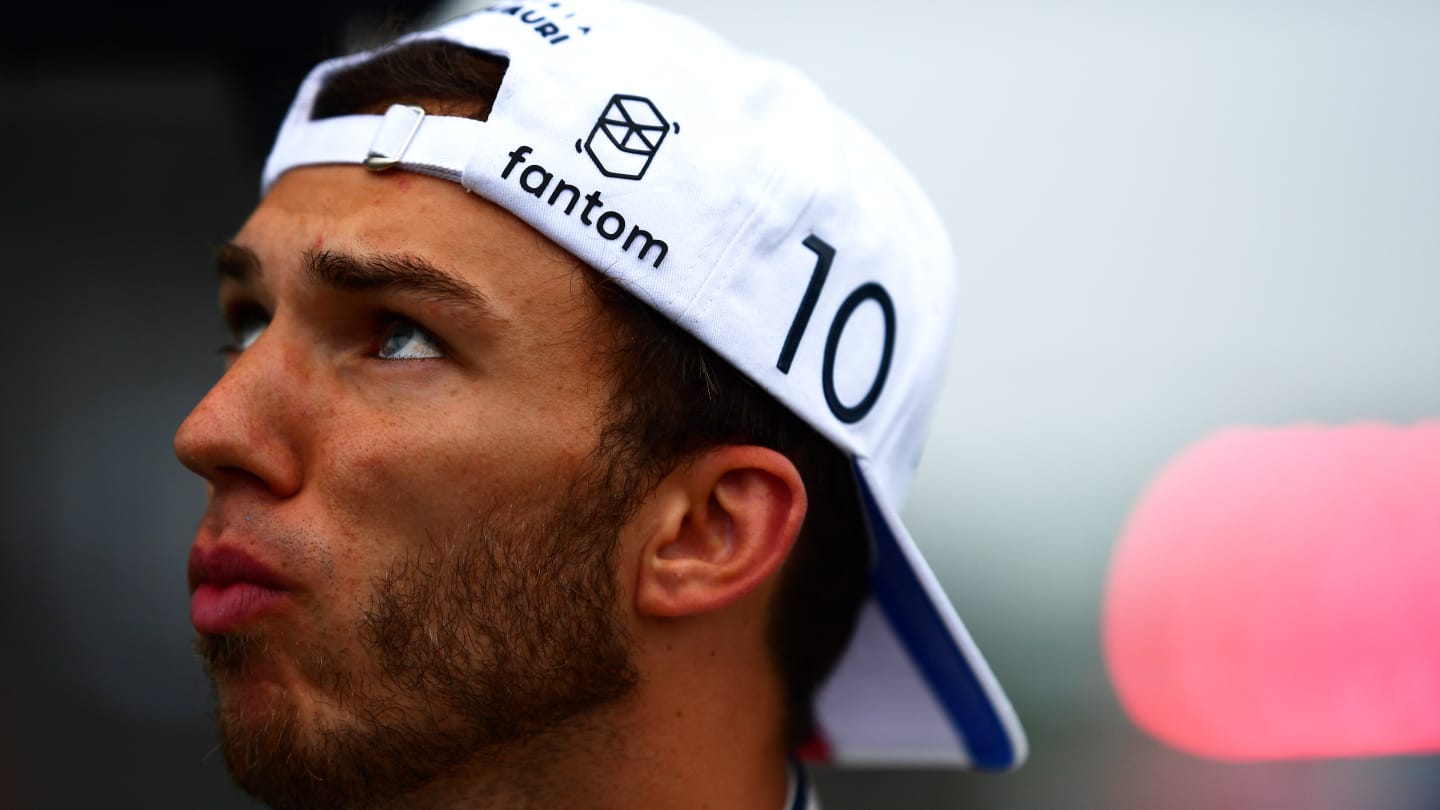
397 130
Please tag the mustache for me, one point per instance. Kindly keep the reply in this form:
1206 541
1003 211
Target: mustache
242 532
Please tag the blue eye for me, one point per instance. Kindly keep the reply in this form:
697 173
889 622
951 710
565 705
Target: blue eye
404 340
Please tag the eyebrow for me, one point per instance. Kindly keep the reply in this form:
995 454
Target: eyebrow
385 271
398 272
237 262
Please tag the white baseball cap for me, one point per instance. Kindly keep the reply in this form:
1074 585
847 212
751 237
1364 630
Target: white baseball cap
724 190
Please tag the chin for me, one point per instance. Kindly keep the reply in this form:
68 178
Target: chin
253 688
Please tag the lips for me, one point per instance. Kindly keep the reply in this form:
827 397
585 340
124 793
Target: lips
230 588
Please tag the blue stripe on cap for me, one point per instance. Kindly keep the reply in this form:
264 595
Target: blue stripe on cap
924 634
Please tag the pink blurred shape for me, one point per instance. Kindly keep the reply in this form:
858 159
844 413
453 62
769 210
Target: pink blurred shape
1276 595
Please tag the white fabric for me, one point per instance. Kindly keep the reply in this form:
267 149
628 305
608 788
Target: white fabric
898 730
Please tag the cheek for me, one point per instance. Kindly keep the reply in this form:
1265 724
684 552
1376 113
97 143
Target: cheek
395 480
383 483
391 469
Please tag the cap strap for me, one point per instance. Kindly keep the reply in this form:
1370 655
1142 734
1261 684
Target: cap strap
405 136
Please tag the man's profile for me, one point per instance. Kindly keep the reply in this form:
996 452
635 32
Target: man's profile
580 363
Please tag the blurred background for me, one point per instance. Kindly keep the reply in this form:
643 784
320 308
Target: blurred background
1171 217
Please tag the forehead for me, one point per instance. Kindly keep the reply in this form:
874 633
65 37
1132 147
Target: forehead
350 210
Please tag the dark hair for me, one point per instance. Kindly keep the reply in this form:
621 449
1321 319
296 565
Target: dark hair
672 398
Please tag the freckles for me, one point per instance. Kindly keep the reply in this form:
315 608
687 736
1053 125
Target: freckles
363 459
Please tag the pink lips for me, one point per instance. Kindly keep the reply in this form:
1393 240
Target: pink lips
229 588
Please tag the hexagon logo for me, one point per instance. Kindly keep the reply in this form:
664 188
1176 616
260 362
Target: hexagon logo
626 137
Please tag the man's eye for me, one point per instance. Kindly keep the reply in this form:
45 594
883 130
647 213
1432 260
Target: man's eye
405 340
246 329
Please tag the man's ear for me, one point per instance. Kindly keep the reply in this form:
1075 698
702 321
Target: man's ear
723 524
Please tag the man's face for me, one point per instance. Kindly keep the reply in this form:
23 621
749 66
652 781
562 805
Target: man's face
406 560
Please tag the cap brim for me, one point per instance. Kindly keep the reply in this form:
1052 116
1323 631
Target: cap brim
913 687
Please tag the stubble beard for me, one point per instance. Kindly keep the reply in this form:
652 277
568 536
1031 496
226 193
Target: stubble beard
482 641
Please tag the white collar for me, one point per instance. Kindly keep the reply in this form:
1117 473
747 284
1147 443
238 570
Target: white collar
799 794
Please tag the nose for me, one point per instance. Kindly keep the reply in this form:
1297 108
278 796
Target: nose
246 429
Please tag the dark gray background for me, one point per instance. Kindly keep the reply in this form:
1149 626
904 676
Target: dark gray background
1170 218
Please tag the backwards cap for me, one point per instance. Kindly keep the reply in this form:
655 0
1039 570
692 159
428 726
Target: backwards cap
725 191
